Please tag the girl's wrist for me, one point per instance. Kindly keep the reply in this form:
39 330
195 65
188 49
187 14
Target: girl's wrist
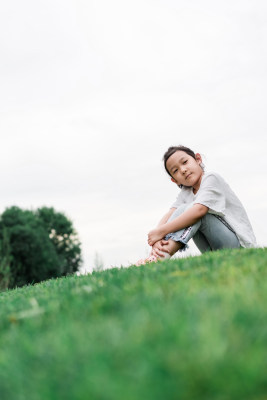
163 231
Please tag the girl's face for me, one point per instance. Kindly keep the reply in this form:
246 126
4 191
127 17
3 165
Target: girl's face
185 170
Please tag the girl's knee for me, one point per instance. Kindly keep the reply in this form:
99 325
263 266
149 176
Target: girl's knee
179 210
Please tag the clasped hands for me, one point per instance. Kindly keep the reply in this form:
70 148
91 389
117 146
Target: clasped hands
155 239
154 236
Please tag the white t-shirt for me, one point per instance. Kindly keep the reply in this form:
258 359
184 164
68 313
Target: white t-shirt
217 195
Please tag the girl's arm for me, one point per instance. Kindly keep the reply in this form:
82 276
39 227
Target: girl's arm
187 218
157 249
166 216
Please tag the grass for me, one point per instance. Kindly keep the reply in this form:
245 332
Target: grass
193 328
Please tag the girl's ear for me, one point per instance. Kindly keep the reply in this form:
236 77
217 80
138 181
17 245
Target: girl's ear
198 158
173 180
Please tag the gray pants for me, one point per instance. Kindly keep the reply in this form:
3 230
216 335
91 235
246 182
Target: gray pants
210 233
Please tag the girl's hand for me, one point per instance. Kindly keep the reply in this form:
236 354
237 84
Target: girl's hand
154 236
158 248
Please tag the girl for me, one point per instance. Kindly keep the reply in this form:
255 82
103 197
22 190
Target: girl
206 210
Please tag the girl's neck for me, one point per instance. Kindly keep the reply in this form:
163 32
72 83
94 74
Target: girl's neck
198 183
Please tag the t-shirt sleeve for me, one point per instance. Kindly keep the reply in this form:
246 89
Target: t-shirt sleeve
211 194
179 201
184 197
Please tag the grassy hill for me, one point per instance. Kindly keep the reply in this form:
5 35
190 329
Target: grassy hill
194 328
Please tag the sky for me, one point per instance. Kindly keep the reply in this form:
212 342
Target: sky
94 92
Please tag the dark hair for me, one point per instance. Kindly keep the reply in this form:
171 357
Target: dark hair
172 150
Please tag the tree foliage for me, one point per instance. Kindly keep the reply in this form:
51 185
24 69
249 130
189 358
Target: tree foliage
36 245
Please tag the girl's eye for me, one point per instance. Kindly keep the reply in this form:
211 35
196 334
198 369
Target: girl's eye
175 171
185 161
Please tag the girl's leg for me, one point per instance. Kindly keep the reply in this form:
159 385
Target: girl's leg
209 233
201 242
217 233
182 236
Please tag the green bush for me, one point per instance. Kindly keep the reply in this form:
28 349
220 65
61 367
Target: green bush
36 245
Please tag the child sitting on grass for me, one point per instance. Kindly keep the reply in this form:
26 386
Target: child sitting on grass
206 210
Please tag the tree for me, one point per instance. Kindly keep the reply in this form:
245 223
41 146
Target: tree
36 245
64 238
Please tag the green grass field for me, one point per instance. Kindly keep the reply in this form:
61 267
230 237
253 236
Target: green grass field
194 328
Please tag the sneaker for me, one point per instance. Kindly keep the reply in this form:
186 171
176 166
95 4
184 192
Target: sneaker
151 259
147 260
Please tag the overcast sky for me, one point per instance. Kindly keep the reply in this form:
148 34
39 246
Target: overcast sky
93 92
